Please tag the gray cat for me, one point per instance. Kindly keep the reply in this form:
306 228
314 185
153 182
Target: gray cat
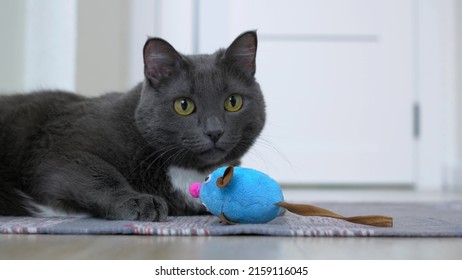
131 155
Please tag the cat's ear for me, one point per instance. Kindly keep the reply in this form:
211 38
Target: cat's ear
161 61
242 52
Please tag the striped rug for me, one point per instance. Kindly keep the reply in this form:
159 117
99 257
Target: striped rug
410 220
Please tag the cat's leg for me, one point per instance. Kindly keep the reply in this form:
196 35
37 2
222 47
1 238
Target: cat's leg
86 183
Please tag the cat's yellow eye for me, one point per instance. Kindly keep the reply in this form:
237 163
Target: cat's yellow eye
184 106
233 103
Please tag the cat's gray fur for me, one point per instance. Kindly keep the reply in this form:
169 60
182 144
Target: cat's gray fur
110 156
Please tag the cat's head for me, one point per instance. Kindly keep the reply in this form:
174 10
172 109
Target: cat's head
201 110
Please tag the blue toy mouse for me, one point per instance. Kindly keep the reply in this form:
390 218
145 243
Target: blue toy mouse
243 195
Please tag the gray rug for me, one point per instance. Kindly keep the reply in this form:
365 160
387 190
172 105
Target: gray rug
410 220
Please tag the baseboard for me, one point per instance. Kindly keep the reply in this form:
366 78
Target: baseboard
453 180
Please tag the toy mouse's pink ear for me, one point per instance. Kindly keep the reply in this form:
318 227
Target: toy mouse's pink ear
226 178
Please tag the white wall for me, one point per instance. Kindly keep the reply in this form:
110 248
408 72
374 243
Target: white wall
12 27
50 44
457 173
38 45
439 150
102 46
70 45
158 18
144 22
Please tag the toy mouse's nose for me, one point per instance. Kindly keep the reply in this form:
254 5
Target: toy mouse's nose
194 189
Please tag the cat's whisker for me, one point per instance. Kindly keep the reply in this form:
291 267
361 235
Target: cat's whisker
138 166
172 158
242 147
179 157
257 155
264 143
161 155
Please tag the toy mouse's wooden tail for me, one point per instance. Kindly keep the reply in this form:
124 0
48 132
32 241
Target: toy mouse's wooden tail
310 210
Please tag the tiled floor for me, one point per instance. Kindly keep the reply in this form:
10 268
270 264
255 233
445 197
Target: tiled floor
246 247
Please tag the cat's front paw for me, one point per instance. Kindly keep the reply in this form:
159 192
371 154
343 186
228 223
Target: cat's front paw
145 207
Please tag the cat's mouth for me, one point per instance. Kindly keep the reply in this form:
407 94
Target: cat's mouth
212 153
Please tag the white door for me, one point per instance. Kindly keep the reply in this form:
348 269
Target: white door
338 80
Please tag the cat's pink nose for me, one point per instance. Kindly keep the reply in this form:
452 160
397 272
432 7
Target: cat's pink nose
194 189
